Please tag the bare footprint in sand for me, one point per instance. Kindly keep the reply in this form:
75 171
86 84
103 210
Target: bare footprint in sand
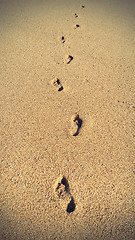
76 26
61 39
56 82
76 123
68 59
62 192
75 15
82 6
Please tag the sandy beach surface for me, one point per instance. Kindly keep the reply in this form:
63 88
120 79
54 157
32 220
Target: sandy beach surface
67 83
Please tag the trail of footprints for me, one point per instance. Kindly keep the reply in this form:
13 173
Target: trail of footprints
61 187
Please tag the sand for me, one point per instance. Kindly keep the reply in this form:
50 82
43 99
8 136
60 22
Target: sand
55 185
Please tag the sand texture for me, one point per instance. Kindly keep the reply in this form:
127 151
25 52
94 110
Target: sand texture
67 83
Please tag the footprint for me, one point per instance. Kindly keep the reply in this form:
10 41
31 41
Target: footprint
76 123
68 59
71 206
75 15
56 82
62 191
82 6
76 26
61 39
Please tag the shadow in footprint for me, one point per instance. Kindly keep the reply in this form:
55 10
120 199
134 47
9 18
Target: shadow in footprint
79 125
71 206
64 181
60 89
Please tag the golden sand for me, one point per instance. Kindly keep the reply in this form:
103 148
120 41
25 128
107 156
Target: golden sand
55 184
